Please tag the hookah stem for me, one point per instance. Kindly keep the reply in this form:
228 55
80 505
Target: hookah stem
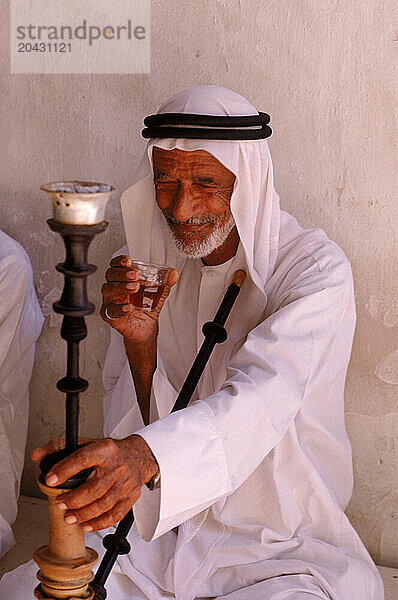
74 306
72 399
214 332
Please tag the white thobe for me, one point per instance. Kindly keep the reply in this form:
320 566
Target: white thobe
21 321
257 471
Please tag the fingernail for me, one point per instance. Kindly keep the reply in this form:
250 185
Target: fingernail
132 275
51 479
62 505
131 286
88 528
70 519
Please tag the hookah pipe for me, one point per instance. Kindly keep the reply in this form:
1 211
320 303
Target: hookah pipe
116 543
65 564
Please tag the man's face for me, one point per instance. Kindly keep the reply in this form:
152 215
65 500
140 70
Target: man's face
193 191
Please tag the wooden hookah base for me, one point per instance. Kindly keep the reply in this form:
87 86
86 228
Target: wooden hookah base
66 563
64 579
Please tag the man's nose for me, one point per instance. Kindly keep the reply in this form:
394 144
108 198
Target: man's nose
184 203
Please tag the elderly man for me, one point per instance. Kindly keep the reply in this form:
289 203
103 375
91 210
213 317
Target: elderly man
256 472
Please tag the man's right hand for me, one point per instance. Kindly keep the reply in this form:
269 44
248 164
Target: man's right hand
137 326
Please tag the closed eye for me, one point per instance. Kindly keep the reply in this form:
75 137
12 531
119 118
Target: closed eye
204 184
166 183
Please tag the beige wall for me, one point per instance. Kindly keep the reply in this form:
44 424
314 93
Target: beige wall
326 71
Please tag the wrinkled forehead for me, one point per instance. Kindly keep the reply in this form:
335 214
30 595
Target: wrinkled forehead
187 160
186 152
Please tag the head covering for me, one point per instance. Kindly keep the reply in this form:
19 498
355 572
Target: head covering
254 201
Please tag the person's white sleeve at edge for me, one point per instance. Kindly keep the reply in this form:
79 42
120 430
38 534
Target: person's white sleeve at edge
208 450
21 321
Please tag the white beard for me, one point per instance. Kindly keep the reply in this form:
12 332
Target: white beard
215 239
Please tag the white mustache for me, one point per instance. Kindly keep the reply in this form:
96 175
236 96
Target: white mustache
191 221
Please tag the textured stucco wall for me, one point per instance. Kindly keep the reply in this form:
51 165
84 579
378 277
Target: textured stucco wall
326 72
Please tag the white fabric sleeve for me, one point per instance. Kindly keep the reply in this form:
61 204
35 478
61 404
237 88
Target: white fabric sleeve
208 449
13 283
20 325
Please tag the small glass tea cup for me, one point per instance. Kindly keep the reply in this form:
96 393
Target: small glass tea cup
152 279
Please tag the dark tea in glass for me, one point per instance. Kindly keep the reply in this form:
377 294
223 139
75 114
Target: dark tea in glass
152 279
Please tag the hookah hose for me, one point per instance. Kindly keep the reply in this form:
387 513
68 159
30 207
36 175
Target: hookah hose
215 333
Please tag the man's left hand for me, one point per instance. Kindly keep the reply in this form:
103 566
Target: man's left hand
121 468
